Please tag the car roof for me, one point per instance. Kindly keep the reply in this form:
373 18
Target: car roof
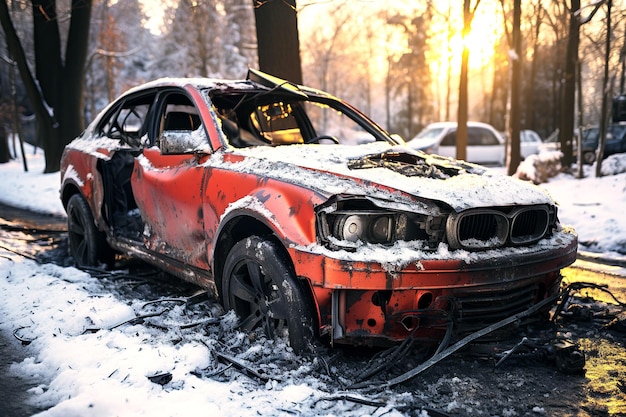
454 124
256 81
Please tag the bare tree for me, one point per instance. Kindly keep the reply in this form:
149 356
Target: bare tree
606 96
513 156
462 115
56 88
566 131
326 48
411 73
538 12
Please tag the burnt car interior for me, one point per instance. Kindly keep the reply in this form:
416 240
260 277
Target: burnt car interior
255 121
259 117
128 123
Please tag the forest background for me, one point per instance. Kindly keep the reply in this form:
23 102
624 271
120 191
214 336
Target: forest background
399 61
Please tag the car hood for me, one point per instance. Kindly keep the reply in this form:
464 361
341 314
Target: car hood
332 170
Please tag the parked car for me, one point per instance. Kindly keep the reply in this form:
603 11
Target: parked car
530 143
484 144
259 191
615 142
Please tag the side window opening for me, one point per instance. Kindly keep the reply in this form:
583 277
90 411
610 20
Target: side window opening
477 136
182 120
474 137
449 139
263 119
129 123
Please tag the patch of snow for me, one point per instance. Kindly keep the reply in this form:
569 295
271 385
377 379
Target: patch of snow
71 173
249 203
94 146
400 254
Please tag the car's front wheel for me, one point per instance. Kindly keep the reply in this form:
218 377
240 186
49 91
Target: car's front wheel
87 244
259 285
589 157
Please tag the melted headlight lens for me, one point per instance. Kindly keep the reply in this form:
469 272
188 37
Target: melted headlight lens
350 228
367 227
381 228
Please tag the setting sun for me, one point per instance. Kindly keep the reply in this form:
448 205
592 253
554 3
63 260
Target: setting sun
485 31
480 42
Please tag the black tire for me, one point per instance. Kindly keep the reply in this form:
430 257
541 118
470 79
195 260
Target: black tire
589 157
87 244
259 285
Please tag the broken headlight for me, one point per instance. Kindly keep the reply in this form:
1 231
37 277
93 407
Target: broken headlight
347 222
367 226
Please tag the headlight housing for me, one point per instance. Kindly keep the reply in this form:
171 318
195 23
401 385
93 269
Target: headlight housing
347 222
369 226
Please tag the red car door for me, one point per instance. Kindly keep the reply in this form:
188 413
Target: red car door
167 182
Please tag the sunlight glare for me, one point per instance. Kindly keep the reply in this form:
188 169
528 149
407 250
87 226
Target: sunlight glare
481 42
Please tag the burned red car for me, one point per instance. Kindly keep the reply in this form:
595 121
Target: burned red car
305 217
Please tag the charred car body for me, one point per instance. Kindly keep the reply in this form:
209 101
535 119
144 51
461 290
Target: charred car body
305 217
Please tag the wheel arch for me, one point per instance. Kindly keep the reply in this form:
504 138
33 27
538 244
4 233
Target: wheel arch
83 176
69 189
235 228
241 225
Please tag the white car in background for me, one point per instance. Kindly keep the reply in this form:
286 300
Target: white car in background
484 144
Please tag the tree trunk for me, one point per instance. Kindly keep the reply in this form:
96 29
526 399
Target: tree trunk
462 112
73 122
566 132
62 85
514 156
606 96
277 38
530 86
5 154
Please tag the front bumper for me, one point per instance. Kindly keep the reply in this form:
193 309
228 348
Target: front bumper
378 303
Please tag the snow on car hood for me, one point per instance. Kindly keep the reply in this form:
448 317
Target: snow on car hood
331 168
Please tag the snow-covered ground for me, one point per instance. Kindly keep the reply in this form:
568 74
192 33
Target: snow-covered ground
108 372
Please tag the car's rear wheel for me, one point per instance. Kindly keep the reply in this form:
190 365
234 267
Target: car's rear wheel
259 285
88 245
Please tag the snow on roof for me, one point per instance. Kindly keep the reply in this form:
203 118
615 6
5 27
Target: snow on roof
197 82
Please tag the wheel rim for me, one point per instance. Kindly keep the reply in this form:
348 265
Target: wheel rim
589 157
257 300
78 238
